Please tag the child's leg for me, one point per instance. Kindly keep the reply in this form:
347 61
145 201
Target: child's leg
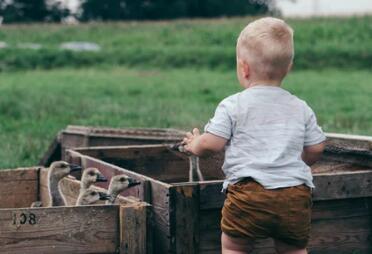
283 248
233 245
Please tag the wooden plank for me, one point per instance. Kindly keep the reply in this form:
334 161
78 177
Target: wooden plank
185 218
211 195
210 231
134 231
83 229
156 161
84 136
343 185
162 134
351 142
161 212
18 187
342 226
349 148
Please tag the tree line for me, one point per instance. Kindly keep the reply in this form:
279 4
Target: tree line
21 11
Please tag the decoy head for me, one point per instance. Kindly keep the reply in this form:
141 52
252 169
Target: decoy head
121 182
91 176
90 196
60 169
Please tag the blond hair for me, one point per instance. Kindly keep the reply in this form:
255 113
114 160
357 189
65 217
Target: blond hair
267 46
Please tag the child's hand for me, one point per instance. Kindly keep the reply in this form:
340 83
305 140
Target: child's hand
190 141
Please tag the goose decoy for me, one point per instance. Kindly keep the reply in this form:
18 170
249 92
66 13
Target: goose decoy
57 171
118 184
91 176
90 196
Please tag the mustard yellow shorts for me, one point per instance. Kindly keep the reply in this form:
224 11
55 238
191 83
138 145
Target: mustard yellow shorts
251 211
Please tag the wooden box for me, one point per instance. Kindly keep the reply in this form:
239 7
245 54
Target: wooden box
84 136
120 228
187 215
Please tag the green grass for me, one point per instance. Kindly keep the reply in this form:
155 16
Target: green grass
320 43
35 105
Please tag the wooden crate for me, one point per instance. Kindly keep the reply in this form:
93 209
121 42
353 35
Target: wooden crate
84 136
187 215
120 228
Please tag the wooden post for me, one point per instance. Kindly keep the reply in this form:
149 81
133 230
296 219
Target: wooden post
134 235
185 218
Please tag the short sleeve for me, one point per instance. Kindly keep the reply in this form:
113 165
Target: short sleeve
221 123
313 133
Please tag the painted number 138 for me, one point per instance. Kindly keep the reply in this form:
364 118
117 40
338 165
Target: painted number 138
24 218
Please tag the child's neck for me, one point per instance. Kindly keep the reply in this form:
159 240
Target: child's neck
276 83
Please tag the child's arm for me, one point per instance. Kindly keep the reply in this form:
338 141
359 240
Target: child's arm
312 154
200 144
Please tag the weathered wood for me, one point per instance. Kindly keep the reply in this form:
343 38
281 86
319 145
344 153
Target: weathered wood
19 187
342 200
349 142
342 226
84 229
83 136
343 185
156 161
185 218
211 195
74 229
349 149
134 237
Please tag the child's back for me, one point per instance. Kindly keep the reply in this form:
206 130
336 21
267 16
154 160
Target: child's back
267 128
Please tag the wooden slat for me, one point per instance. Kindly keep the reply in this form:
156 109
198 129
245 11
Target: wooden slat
84 229
211 196
185 219
18 187
83 136
136 133
156 161
342 226
161 212
350 142
343 185
133 230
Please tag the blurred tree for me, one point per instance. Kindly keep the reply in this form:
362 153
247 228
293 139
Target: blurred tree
169 9
57 12
32 11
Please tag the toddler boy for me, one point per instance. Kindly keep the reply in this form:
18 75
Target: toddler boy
271 138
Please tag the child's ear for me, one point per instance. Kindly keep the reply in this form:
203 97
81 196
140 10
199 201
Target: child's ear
245 69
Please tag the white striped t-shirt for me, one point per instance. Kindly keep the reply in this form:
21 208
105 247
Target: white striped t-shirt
267 128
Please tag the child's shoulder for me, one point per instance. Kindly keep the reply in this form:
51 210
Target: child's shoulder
230 100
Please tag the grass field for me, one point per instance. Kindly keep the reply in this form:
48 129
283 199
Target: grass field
34 105
166 74
320 43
